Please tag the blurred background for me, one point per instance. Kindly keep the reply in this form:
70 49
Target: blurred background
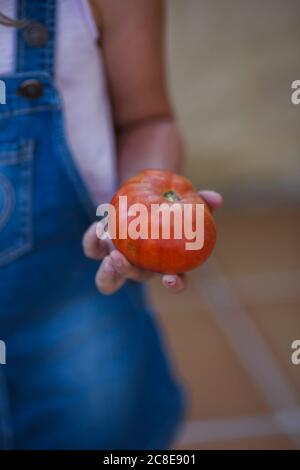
231 65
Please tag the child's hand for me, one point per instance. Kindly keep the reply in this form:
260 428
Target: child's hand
115 269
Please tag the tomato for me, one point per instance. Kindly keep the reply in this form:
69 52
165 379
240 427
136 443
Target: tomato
161 254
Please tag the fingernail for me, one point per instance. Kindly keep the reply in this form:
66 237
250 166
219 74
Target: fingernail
210 191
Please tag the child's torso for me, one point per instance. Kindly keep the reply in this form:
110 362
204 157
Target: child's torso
80 79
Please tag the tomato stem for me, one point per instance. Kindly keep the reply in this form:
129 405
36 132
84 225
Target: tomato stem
171 196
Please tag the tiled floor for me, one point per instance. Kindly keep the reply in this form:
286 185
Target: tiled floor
270 443
230 334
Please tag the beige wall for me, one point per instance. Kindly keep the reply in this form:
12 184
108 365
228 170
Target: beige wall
231 64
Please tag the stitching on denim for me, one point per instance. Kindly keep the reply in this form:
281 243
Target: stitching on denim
15 41
42 57
9 200
68 161
50 50
26 155
12 252
26 150
47 51
21 52
5 415
48 58
12 157
26 73
18 112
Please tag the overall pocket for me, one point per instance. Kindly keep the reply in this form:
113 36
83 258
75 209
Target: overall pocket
16 169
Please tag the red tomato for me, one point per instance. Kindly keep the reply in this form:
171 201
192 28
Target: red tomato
168 256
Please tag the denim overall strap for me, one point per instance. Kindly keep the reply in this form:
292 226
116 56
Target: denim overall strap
36 40
35 70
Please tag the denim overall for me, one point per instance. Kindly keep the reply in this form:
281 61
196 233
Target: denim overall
84 370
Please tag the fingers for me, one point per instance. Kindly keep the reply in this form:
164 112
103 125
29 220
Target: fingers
115 270
127 270
212 198
93 247
107 278
174 283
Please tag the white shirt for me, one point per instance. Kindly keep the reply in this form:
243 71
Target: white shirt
80 79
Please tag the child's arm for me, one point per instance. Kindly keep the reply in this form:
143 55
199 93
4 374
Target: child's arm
146 132
133 51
